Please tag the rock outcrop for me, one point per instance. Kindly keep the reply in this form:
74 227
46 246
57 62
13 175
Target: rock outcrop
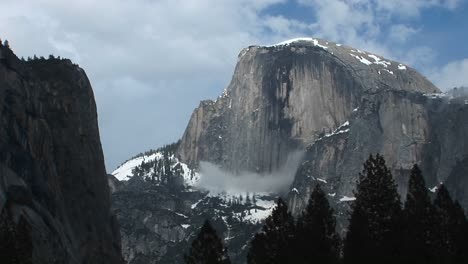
340 104
406 128
52 174
284 97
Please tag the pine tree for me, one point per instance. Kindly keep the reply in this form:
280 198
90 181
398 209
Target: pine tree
451 240
374 223
273 244
15 240
248 201
316 237
207 248
419 221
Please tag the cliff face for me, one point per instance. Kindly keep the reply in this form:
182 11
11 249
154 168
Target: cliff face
407 128
52 173
339 104
282 98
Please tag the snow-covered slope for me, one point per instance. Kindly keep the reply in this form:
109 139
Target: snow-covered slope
127 170
165 198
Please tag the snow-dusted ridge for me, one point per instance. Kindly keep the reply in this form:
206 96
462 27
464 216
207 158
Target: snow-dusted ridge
256 206
315 42
125 171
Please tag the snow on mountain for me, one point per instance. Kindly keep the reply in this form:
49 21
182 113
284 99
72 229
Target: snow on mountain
254 207
347 199
124 171
303 39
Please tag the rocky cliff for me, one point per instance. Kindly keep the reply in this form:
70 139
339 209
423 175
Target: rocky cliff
284 97
52 177
407 128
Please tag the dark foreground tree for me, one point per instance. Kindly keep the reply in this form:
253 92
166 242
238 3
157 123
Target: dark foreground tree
207 248
316 237
375 220
420 225
451 243
15 240
273 244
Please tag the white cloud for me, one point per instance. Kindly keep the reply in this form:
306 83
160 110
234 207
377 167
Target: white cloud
400 33
218 180
453 74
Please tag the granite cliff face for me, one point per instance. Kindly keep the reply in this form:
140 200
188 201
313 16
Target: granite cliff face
283 97
338 103
407 128
52 174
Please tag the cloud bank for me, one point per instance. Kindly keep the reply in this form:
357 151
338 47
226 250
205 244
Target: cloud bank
216 179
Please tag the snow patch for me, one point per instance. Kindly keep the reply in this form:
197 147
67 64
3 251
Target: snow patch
265 210
389 71
193 206
294 190
401 67
124 171
332 194
378 60
321 180
179 214
433 189
290 41
185 226
340 130
361 59
347 199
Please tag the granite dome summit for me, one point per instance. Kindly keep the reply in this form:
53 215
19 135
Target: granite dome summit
282 97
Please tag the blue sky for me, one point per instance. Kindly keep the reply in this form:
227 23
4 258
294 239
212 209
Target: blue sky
151 61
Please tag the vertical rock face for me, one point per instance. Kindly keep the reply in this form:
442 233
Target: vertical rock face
407 128
284 97
340 104
52 172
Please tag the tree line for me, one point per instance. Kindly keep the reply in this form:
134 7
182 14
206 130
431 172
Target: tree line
381 228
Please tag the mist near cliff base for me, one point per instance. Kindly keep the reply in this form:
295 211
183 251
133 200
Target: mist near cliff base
215 179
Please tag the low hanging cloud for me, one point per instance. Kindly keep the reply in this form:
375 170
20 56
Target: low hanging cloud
218 180
453 74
